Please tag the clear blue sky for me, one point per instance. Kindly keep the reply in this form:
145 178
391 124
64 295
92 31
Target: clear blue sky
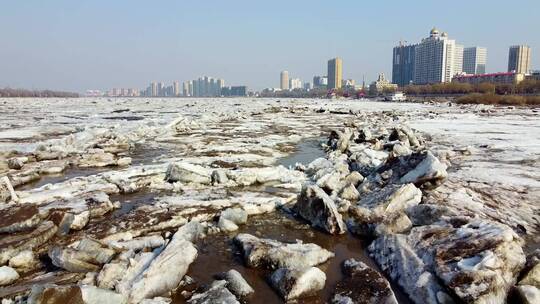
97 44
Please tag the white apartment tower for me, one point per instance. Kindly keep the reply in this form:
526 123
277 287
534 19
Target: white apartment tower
185 89
474 60
437 59
176 88
519 59
295 83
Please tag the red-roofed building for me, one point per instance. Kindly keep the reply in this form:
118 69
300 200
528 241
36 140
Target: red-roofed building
505 77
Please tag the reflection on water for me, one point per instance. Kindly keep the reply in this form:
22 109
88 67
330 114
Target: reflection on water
217 253
305 153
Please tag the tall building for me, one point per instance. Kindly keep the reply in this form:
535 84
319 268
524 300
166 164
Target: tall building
196 88
185 89
235 91
161 89
220 86
176 88
474 60
458 60
295 83
284 80
320 81
335 73
403 64
154 89
212 87
519 59
204 87
437 59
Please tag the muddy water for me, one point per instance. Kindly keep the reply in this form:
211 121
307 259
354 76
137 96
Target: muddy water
217 253
305 153
69 173
141 155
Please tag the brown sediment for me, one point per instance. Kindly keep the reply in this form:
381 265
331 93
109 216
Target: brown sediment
69 173
217 253
23 286
17 214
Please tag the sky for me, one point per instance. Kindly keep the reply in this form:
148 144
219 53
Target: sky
97 44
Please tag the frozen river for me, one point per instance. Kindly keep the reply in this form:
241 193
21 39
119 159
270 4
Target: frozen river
129 169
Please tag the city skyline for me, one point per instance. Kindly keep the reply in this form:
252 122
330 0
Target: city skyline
98 46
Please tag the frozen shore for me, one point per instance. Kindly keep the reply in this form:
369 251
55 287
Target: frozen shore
117 199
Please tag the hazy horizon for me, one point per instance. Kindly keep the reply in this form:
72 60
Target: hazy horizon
76 45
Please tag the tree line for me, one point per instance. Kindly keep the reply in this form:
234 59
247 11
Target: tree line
527 86
9 92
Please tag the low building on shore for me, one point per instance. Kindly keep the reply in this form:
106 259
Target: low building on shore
534 75
381 86
505 77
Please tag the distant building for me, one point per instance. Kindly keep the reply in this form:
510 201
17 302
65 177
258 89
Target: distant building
320 81
474 60
295 83
506 77
197 87
381 86
93 93
348 83
308 86
335 73
519 59
284 80
437 59
236 91
204 87
185 89
176 88
154 89
403 64
534 75
220 86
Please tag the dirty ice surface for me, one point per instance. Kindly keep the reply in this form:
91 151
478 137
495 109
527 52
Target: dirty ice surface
104 192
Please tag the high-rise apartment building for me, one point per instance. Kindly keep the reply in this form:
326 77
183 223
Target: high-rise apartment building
458 60
176 88
474 60
335 73
237 91
196 90
205 87
220 86
320 81
437 59
284 80
185 89
519 59
403 64
295 83
154 89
